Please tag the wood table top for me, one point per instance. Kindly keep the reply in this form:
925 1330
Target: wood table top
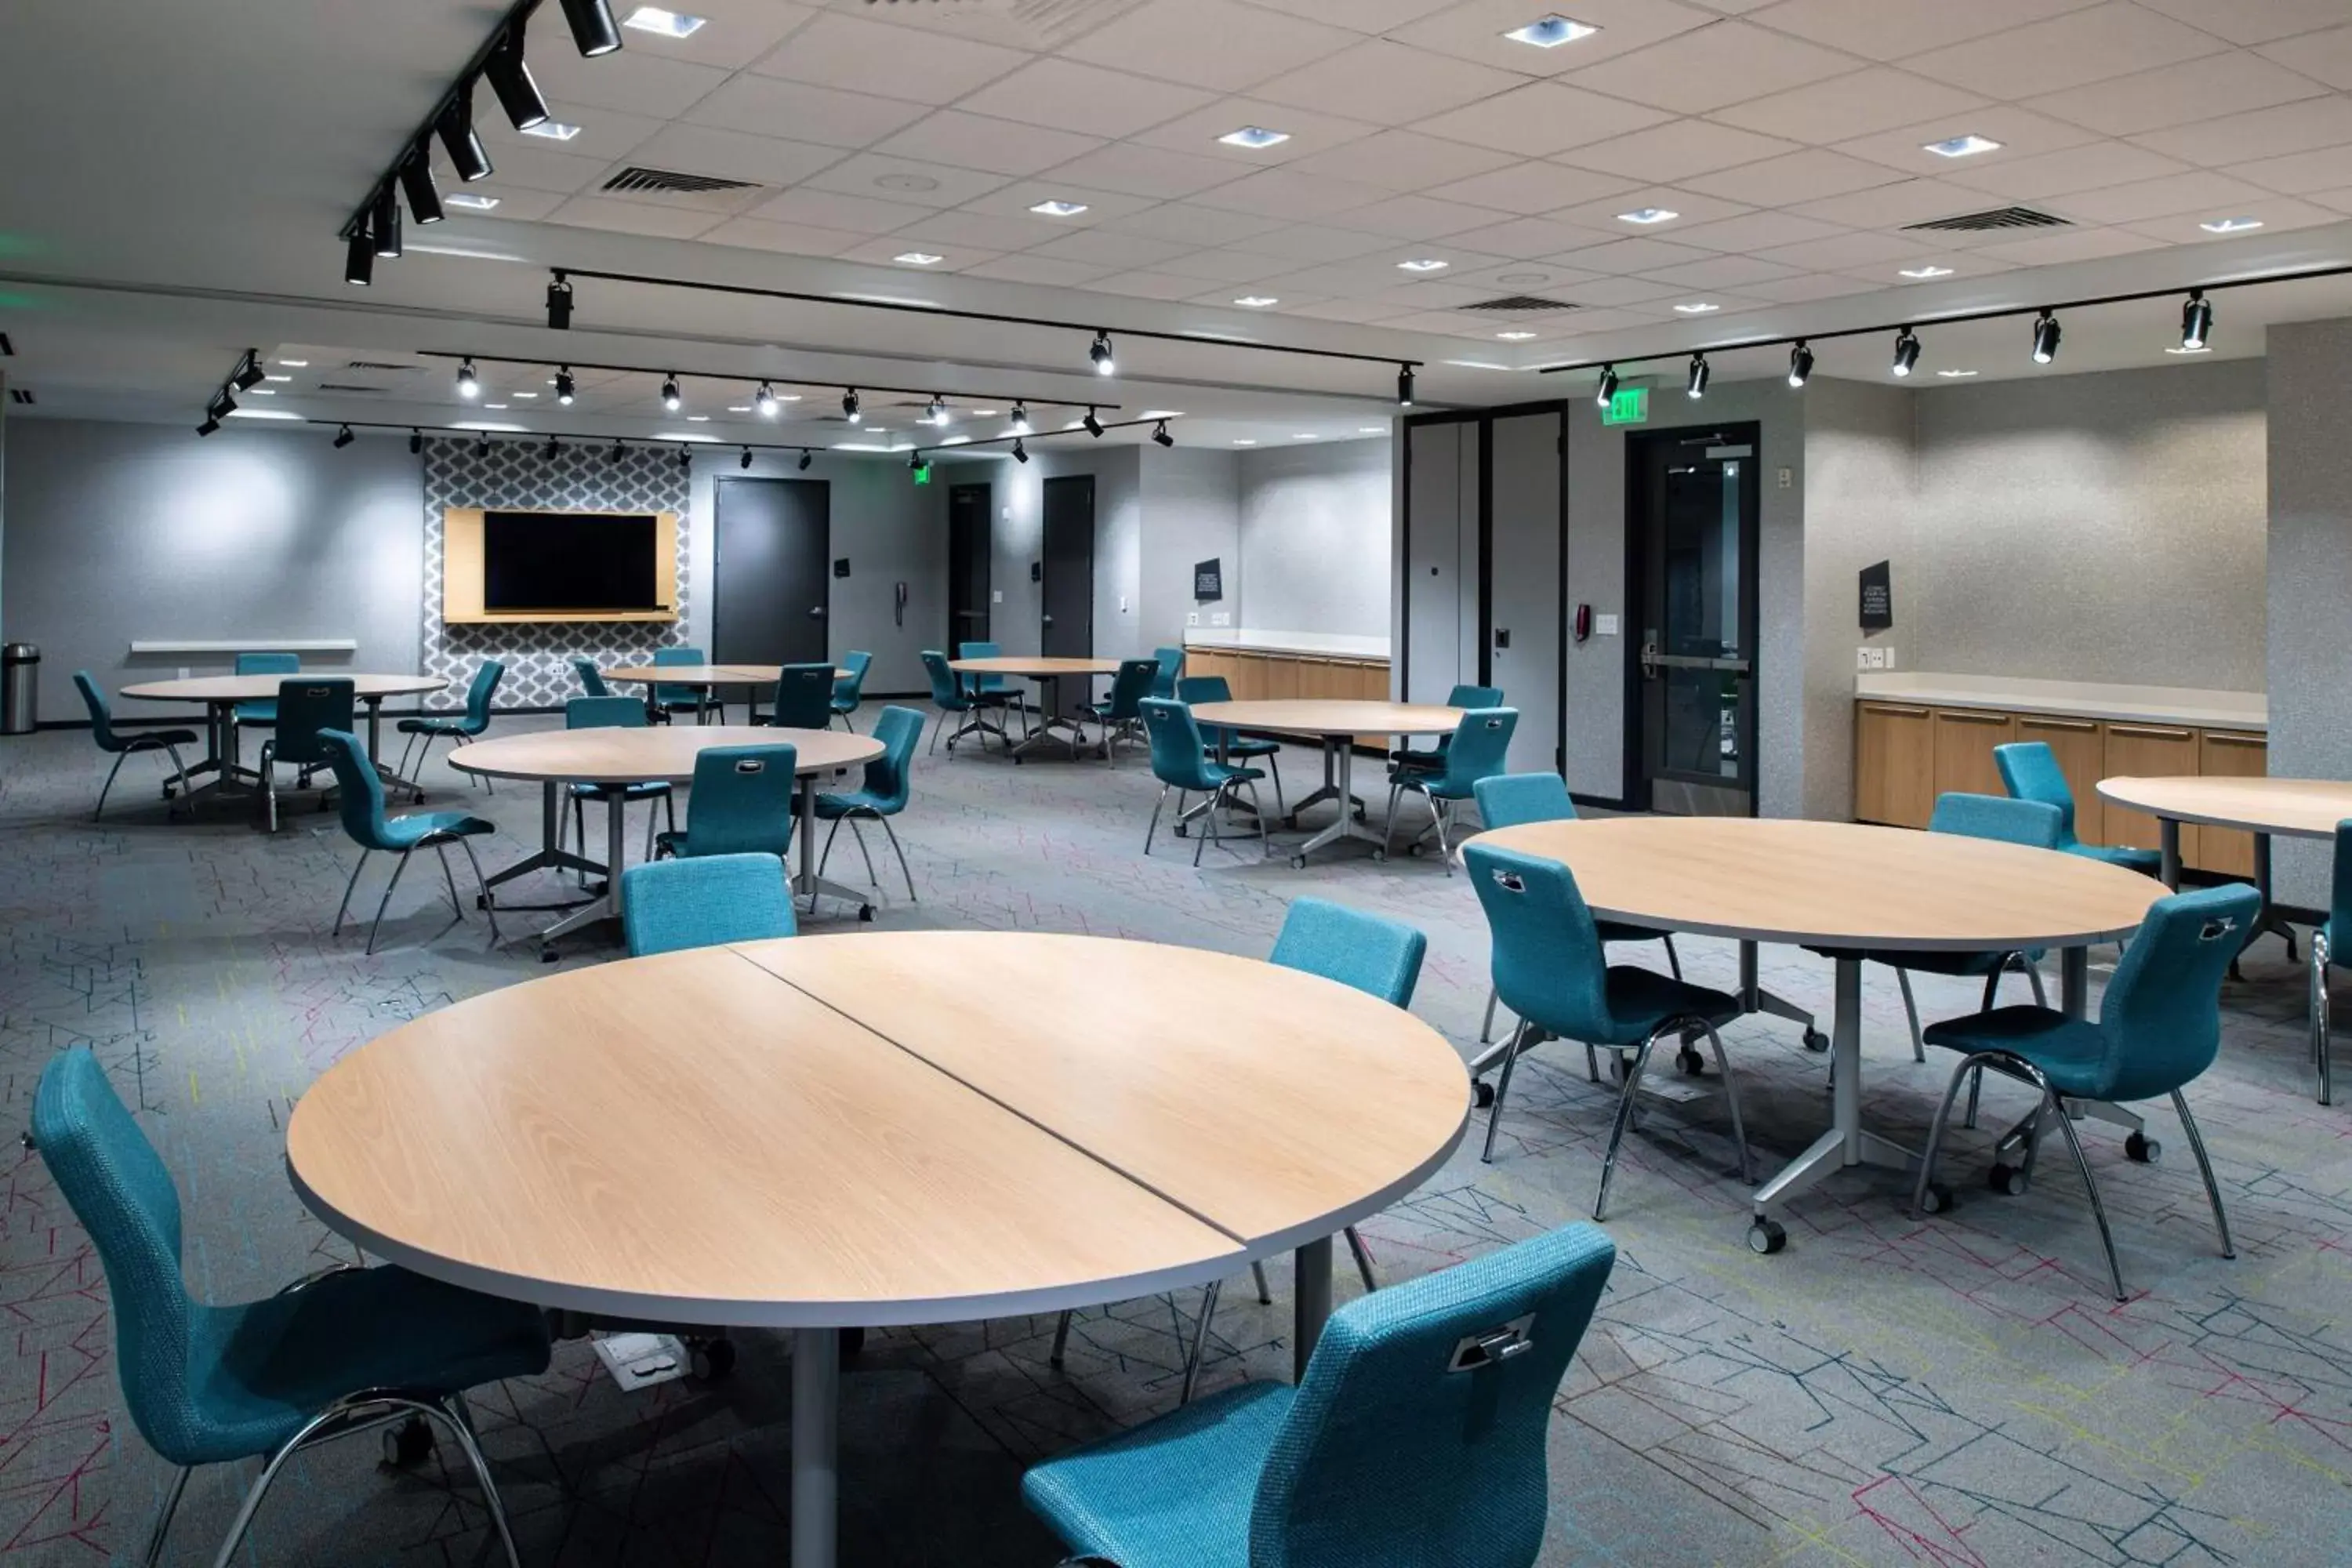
1033 665
2294 809
702 674
1315 717
658 754
875 1129
261 688
1837 884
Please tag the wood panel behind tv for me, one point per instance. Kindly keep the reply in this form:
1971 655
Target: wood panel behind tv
462 572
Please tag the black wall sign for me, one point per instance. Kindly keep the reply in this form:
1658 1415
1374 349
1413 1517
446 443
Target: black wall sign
1877 598
1209 579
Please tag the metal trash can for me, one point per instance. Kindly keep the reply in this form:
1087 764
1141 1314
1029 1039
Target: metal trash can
20 688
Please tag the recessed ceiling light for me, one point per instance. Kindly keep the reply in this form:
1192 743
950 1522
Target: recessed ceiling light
668 24
1257 302
1552 32
469 200
1956 374
296 364
690 419
955 440
1927 272
1424 264
984 413
1515 337
2230 225
1698 307
1244 441
2189 350
1254 136
1961 146
1302 436
494 406
1059 208
553 131
1161 413
522 395
919 258
1648 215
261 414
738 409
278 378
1371 429
496 425
263 392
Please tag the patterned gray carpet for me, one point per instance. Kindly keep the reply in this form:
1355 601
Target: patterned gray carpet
1956 1391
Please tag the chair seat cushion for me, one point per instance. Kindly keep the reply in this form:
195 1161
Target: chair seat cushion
1218 773
1617 931
632 792
262 710
2144 860
1243 746
1174 1492
434 727
2070 1052
1641 999
406 832
845 704
256 1372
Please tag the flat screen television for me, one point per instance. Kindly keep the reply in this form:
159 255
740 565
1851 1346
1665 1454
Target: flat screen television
574 562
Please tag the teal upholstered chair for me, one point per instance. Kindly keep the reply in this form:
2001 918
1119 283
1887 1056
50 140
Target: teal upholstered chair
1120 718
848 688
741 804
1432 758
2030 770
309 708
210 1384
948 696
711 898
804 697
1180 760
363 819
262 711
669 700
887 783
101 729
2159 1029
1170 661
994 690
615 713
1550 970
1228 744
592 680
1416 1437
1479 748
2327 948
1508 800
473 721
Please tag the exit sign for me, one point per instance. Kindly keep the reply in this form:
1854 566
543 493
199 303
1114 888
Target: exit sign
923 474
1627 406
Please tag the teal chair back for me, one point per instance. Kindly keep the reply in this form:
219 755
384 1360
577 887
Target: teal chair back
101 717
361 791
1130 687
1192 690
264 710
2161 1015
1377 955
847 688
1547 963
310 708
1508 800
667 905
678 696
2036 824
120 1190
604 713
889 777
804 697
1170 665
1418 1434
742 802
1475 697
1480 749
1177 758
592 680
478 695
945 690
2030 770
985 651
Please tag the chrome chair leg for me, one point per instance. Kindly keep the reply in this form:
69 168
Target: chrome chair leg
2032 978
2205 1169
1936 1133
1156 807
1265 1291
154 1555
270 779
1674 958
1731 1096
872 880
1502 1084
276 1462
897 848
441 852
2099 1205
1911 1011
1061 1340
1625 1094
397 868
1976 1089
1388 832
340 908
1200 1340
106 787
1437 819
1363 1257
452 1412
1274 763
2321 957
1486 1029
490 905
406 747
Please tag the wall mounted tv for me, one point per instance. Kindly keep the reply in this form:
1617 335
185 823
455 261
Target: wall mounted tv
521 565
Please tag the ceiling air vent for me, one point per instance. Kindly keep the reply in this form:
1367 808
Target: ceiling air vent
1985 222
1518 305
20 394
635 179
349 386
378 365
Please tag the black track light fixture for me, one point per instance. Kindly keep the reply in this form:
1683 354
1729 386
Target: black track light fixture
1019 450
208 427
417 185
1020 419
1094 425
849 405
222 405
2195 321
915 461
764 400
250 374
1604 391
1160 434
559 304
384 222
746 460
553 450
1100 353
567 387
936 410
415 441
2046 338
618 451
1695 386
509 78
1404 386
685 460
670 399
593 28
1907 350
469 381
1800 364
467 157
482 444
807 457
359 258
343 438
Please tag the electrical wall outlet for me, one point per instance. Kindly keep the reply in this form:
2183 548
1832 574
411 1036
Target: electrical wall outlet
1788 478
996 596
1873 658
1887 658
1222 618
1191 617
1122 604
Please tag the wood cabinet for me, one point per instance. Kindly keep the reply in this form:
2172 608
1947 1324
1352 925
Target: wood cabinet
1260 675
2144 751
1965 737
1893 763
2081 747
2234 755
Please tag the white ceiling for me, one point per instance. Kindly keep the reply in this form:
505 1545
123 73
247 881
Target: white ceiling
1787 134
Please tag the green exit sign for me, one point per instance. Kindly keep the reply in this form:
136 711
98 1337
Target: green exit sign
1627 406
923 475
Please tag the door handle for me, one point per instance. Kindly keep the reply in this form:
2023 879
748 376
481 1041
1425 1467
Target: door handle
1049 620
816 612
1650 661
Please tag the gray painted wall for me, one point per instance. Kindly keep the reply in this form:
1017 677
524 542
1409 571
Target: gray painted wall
1858 474
1315 521
1017 539
1192 512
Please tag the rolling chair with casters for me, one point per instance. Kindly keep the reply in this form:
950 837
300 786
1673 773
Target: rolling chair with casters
1478 749
262 712
741 804
1120 718
2159 1027
475 721
803 698
883 797
1551 971
101 729
1229 744
592 680
364 820
2327 948
1431 759
668 701
307 708
948 696
848 688
613 713
998 691
1416 1437
340 1352
1180 760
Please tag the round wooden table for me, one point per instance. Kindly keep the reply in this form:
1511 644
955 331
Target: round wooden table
2297 808
707 678
220 694
923 1127
661 753
1049 673
1846 887
1336 723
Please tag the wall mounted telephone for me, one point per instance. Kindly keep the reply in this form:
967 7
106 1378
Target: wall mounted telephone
899 604
1583 622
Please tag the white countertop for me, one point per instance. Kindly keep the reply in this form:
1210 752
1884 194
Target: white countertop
1335 645
2080 698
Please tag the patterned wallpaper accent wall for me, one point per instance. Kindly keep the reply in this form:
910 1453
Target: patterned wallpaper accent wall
460 473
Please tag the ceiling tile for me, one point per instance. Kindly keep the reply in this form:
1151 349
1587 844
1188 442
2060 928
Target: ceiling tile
1756 231
833 210
1427 296
884 250
1283 193
2199 191
1417 217
798 113
1386 83
1403 161
1014 200
1231 266
1139 171
851 54
1623 255
1804 176
979 231
1806 287
1890 29
1362 15
976 142
1198 131
1437 321
1474 29
905 180
1543 118
1532 237
1842 108
2108 40
1622 290
786 238
1206 43
515 204
1722 272
2180 95
1546 281
1200 225
2252 21
741 31
732 155
2074 244
604 135
635 218
1048 270
1892 206
2277 214
1676 150
1693 209
2339 201
1846 252
2298 174
1228 296
1145 285
535 170
2076 168
1314 242
1070 96
2259 133
1357 311
1100 244
2021 133
1531 188
635 80
2328 56
1724 62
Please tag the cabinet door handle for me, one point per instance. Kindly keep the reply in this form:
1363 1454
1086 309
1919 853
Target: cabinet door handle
2147 732
2218 739
1970 716
1897 712
2042 724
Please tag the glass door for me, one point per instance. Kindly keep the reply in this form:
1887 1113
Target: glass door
1694 503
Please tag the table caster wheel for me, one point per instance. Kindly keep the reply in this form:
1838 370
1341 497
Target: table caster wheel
1017 759
1379 857
2007 1179
1766 1236
1690 1061
1413 850
865 913
710 1360
1182 831
549 955
407 1444
1299 862
1815 1041
852 1342
2141 1148
1481 1093
1937 1199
